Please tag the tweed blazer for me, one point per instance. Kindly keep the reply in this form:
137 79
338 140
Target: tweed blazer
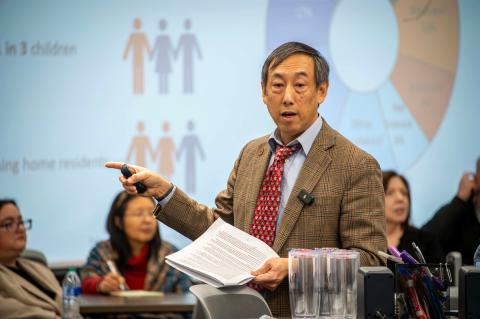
21 299
348 210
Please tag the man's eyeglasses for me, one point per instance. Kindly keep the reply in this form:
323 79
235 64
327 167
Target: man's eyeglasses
12 225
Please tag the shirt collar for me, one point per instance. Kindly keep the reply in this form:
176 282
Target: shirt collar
305 139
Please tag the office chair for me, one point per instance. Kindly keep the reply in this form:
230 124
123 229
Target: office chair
229 302
34 255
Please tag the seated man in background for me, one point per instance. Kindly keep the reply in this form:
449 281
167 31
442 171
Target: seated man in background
28 289
457 224
136 250
400 234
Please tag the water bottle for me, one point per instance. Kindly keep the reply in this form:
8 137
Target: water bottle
71 295
476 257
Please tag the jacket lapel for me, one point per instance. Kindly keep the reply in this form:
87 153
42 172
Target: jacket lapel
315 164
32 288
259 166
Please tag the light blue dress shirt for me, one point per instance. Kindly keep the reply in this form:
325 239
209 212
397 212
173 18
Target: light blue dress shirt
294 163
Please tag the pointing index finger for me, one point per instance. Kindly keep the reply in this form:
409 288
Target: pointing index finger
117 165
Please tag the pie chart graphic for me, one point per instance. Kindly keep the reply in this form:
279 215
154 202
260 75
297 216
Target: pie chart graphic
392 67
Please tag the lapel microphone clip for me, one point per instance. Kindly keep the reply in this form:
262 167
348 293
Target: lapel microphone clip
306 197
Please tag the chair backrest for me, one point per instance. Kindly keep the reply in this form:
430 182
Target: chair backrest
34 255
230 302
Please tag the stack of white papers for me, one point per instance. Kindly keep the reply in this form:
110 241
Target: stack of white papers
222 256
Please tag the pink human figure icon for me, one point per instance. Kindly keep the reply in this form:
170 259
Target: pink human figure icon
188 45
139 147
162 53
190 146
138 44
165 153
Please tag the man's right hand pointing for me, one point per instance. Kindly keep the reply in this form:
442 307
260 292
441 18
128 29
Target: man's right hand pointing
156 184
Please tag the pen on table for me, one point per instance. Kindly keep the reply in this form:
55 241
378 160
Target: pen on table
421 257
407 258
390 257
419 254
113 269
394 251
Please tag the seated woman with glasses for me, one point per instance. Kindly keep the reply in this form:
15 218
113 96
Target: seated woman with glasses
400 234
28 289
135 250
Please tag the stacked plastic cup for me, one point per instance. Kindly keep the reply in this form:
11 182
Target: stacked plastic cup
301 278
321 281
342 283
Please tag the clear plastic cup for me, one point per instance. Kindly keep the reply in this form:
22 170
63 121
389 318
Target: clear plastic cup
321 281
342 283
301 269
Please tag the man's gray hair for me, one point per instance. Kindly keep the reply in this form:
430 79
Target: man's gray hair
278 55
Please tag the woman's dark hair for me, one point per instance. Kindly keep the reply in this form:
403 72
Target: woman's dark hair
118 238
387 176
4 202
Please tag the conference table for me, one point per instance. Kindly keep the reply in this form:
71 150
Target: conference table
102 304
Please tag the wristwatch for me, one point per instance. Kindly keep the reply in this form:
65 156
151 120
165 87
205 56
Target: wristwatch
160 198
157 209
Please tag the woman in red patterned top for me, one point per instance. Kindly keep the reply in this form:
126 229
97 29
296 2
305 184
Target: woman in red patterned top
136 250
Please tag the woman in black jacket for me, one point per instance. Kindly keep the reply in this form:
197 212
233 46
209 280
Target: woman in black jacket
400 233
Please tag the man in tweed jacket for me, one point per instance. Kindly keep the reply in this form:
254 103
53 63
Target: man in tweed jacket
345 182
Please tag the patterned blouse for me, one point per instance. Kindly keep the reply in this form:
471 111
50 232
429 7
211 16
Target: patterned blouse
159 277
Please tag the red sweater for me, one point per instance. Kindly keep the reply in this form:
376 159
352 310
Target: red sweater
134 274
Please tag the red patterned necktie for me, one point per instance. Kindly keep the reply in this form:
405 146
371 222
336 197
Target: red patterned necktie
268 200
